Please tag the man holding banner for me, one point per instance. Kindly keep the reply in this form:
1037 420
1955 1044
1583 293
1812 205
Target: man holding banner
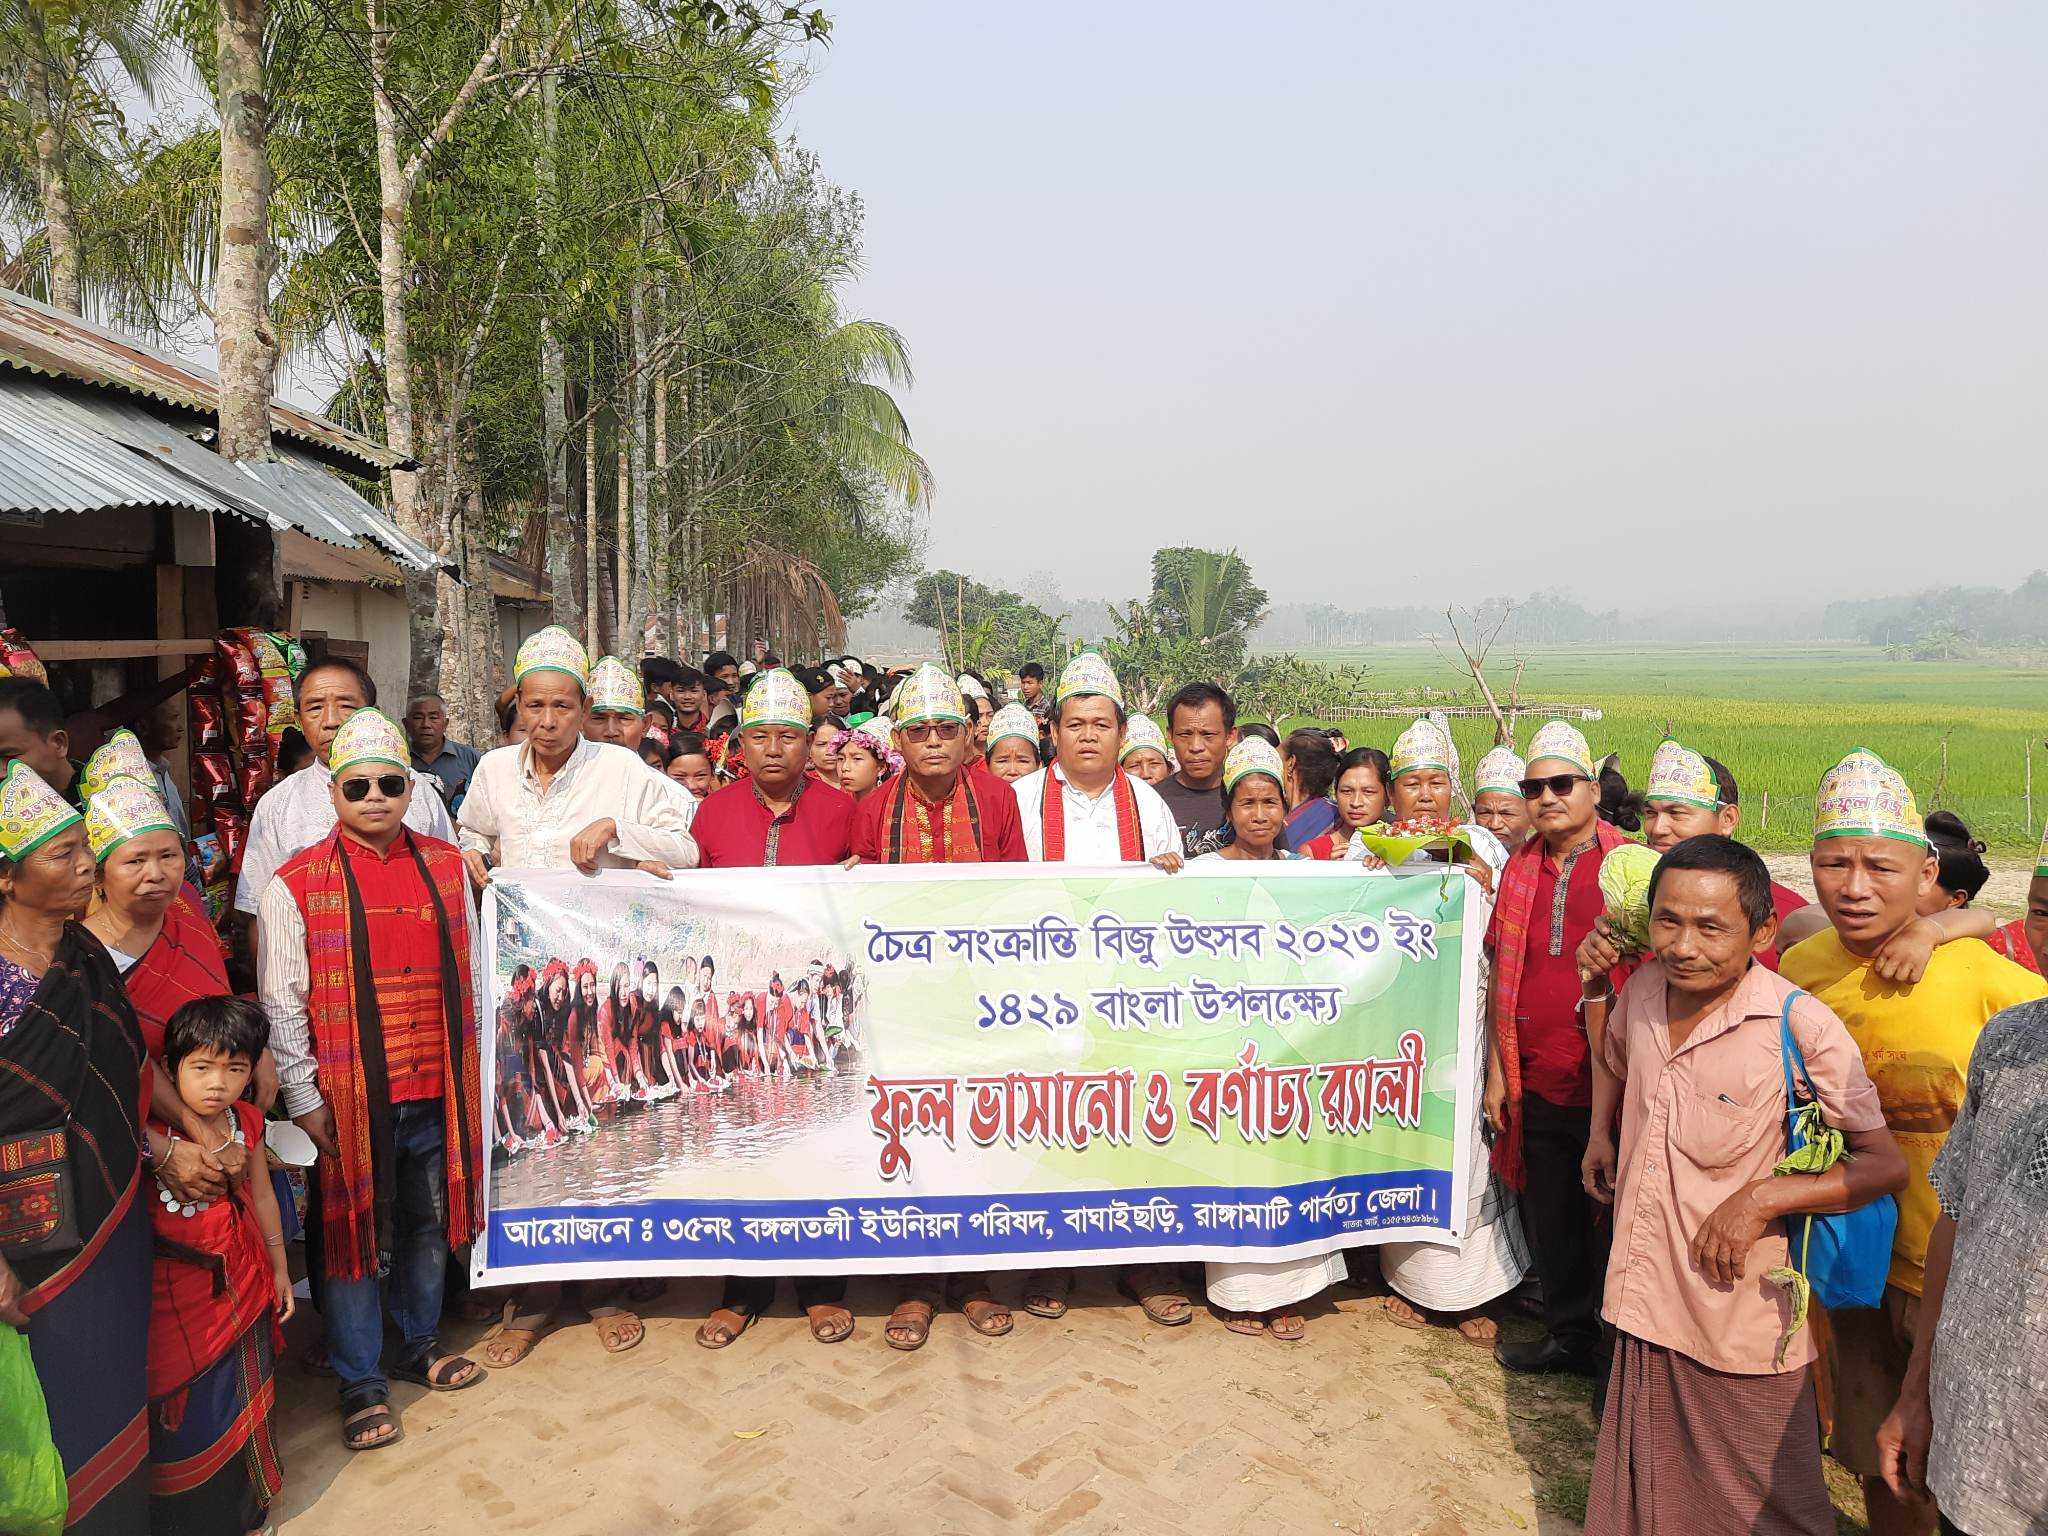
939 811
776 816
1082 808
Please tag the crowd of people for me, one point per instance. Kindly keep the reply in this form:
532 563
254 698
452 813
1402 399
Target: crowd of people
1630 1181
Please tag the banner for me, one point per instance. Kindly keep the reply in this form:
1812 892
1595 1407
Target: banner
987 1067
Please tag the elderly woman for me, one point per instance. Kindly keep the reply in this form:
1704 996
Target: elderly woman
1432 1283
73 1089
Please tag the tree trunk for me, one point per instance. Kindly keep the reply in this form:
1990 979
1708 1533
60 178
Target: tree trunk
394 194
633 645
593 565
666 607
622 599
566 601
48 130
242 328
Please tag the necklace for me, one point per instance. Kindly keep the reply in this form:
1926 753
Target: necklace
42 958
180 1207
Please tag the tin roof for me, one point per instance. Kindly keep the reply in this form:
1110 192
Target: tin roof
65 447
61 345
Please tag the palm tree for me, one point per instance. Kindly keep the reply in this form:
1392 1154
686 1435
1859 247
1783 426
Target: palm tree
61 68
1206 595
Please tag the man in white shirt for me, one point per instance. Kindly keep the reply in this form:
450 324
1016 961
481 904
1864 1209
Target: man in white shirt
1105 815
558 798
1084 809
555 800
298 811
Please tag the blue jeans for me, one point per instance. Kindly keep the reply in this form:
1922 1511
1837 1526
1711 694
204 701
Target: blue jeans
414 1270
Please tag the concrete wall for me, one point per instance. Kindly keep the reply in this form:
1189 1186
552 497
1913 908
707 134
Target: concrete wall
357 611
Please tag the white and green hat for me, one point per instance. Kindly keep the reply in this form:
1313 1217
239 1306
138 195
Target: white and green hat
121 809
615 689
929 694
1013 720
776 698
369 736
1683 777
119 756
1500 772
1424 745
552 649
1252 754
1864 796
1088 675
31 813
1142 734
1565 742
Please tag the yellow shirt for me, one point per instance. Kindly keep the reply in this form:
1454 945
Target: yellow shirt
1916 1043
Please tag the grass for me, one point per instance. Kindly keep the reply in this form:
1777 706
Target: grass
1958 731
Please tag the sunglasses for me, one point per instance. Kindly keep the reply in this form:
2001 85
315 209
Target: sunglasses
389 785
1559 784
924 730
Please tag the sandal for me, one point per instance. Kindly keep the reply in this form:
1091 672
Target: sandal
1158 1293
1046 1292
830 1324
1403 1313
715 1332
1248 1323
1287 1327
356 1427
511 1342
617 1329
912 1316
447 1373
985 1315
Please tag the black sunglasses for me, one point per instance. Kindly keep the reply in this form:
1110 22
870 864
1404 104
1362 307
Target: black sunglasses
1559 784
389 785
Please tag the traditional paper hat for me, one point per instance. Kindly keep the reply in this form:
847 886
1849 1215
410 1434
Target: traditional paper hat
31 813
1564 741
1253 754
1143 734
369 736
1425 744
1863 796
1681 775
1088 674
776 698
1013 720
119 755
615 688
552 649
929 694
121 809
970 686
1500 772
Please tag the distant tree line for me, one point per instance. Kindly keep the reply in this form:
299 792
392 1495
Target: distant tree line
1946 620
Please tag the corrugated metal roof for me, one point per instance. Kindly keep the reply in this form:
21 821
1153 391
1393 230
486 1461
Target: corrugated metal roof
65 448
61 345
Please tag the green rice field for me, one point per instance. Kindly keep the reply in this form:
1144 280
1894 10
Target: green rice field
1778 717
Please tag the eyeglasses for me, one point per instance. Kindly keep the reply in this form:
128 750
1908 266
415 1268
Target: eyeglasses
924 730
389 785
1559 784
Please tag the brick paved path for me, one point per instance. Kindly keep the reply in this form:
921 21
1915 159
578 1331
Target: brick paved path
1096 1423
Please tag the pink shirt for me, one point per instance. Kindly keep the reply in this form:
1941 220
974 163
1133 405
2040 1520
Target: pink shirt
1695 1128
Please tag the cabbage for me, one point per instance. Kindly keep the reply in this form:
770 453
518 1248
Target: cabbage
1625 882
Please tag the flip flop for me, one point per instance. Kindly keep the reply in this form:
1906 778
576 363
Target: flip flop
1400 1319
913 1317
709 1330
439 1375
823 1323
613 1324
369 1416
1249 1324
1287 1327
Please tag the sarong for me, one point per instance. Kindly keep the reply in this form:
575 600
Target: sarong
214 1464
1686 1450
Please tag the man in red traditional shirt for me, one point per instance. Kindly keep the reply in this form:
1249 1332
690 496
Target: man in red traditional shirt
776 816
1539 1084
363 966
939 810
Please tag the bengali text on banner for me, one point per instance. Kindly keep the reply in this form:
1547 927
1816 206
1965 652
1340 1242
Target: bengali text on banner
887 1070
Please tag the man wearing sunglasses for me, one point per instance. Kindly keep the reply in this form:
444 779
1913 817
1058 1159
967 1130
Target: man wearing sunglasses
1539 1083
939 810
363 965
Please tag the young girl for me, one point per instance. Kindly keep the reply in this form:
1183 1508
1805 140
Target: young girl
689 764
1361 792
220 1291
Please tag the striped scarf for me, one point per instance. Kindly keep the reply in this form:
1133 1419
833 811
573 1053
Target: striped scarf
1130 841
1513 910
924 833
358 1195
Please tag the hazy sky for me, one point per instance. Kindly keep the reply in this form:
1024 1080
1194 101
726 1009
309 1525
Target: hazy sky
1595 294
